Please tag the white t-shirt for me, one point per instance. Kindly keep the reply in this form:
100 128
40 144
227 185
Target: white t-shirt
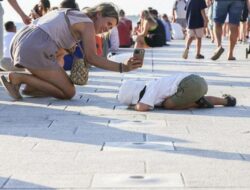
158 90
6 43
177 32
179 7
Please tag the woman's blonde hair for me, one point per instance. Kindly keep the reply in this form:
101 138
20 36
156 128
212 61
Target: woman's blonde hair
147 16
106 10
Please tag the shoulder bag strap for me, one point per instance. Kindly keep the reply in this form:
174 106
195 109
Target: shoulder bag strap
71 30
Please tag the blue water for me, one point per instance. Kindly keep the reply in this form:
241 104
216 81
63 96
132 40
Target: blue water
133 18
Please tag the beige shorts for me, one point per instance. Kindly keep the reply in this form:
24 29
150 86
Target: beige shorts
198 32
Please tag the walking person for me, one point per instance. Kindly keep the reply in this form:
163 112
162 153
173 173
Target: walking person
36 46
197 20
179 13
234 10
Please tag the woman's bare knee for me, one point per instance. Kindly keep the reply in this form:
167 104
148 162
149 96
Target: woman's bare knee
70 93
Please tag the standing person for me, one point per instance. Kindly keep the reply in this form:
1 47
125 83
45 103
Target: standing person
36 46
234 10
197 20
124 30
24 17
6 63
179 13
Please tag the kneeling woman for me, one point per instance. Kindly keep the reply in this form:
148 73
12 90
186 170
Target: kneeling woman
180 91
37 46
152 34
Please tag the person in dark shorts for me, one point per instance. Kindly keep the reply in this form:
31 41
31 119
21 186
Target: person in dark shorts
179 91
151 35
222 8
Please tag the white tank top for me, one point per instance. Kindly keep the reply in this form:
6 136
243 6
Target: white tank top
55 25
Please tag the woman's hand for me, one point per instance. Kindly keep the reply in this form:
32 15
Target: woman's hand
132 63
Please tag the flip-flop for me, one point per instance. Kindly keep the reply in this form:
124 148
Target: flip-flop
231 101
12 89
231 59
217 54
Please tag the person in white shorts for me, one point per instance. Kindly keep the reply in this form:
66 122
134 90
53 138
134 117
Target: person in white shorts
179 91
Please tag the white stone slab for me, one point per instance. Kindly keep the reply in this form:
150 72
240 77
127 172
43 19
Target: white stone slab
135 146
137 180
49 181
137 123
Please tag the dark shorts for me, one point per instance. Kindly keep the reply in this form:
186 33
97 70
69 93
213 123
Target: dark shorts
154 40
190 89
233 8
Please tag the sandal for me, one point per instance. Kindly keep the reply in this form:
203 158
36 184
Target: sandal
217 54
204 103
231 101
12 89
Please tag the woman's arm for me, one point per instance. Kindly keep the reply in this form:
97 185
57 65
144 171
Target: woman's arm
145 28
87 34
17 8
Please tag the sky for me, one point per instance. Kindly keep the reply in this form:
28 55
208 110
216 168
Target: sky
131 7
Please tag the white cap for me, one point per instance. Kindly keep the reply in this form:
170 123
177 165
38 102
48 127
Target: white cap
130 91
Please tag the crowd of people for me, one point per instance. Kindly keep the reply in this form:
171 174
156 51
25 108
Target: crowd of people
42 46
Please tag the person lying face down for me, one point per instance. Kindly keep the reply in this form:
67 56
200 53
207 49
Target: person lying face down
179 91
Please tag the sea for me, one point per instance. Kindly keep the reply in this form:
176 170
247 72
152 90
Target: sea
133 18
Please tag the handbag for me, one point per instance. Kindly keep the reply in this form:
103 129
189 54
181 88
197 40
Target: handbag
79 73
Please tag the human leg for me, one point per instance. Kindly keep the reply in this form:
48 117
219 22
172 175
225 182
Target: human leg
235 12
189 40
233 35
188 43
198 49
53 83
140 42
226 100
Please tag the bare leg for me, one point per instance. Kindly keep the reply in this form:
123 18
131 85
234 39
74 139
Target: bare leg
168 104
218 34
233 39
216 100
55 83
198 46
140 43
31 91
189 41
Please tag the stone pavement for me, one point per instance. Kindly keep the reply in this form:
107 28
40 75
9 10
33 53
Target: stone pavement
93 142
